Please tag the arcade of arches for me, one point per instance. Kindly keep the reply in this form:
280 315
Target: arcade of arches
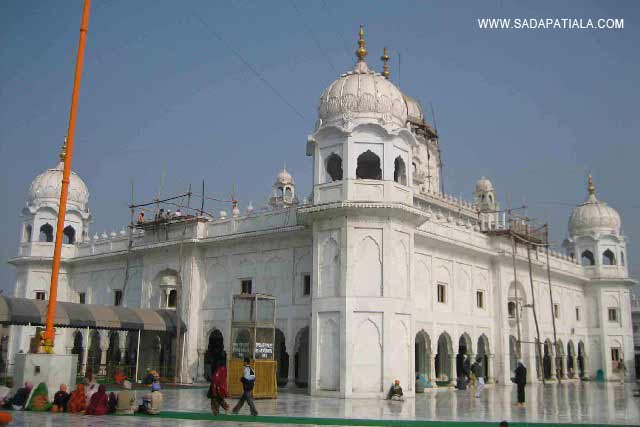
107 353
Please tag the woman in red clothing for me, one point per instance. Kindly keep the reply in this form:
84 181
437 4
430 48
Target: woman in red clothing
99 404
218 390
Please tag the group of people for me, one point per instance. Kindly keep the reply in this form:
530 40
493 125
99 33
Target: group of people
88 398
160 216
218 391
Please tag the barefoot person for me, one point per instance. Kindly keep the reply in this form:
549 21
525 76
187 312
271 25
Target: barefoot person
248 380
521 381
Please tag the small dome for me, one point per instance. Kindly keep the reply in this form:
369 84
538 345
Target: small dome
593 215
362 94
414 110
47 185
284 177
483 185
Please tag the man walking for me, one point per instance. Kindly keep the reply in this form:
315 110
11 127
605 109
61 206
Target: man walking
248 380
521 381
476 368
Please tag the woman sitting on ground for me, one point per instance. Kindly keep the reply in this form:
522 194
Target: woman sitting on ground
90 391
113 403
22 395
77 401
39 400
99 404
61 399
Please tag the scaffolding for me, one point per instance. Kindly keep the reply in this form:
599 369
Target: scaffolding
520 229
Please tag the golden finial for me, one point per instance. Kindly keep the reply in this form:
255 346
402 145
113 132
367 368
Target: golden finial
362 51
592 188
63 151
385 63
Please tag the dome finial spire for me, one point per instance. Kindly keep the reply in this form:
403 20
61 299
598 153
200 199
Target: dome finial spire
361 53
63 150
385 63
592 188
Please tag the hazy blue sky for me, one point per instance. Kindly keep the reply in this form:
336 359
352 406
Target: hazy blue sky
532 110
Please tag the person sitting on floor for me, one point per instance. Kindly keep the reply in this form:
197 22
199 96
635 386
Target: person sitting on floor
91 390
39 400
126 400
5 390
99 404
395 392
61 399
152 402
78 401
22 395
113 403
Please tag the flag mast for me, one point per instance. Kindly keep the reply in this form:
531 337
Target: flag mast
49 333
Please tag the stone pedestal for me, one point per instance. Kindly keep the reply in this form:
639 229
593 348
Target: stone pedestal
51 369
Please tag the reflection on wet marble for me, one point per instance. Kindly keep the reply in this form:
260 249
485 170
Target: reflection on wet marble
573 402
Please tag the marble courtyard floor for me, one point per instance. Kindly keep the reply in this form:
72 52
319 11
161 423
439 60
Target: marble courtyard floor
573 402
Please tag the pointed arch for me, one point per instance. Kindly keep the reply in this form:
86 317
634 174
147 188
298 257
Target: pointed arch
587 258
444 368
608 257
399 171
69 235
368 166
46 233
367 371
422 351
333 166
329 357
368 268
329 269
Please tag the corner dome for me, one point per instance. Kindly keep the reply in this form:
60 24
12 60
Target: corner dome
362 94
47 186
483 185
284 177
593 216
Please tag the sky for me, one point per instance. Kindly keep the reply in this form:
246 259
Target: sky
227 91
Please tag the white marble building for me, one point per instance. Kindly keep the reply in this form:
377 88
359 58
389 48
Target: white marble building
377 277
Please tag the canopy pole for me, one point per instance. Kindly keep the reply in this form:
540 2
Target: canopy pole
49 334
137 355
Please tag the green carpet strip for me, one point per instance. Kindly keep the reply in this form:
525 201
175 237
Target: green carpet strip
279 420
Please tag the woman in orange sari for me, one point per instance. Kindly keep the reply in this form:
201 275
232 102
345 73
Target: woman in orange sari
78 400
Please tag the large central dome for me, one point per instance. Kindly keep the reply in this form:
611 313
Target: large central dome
363 94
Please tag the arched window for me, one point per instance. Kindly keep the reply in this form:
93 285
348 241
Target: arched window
608 258
368 166
334 167
46 233
511 309
399 171
490 197
69 235
172 298
27 233
587 258
288 193
621 258
280 192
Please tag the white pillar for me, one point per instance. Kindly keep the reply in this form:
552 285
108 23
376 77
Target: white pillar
491 362
104 346
452 370
200 374
122 345
432 368
564 367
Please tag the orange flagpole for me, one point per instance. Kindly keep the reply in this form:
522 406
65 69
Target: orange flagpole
49 334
